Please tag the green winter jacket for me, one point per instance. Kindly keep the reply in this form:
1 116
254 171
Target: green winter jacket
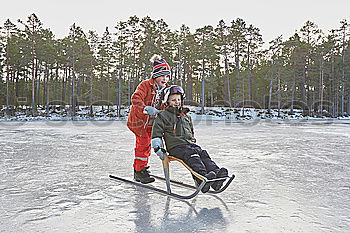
175 127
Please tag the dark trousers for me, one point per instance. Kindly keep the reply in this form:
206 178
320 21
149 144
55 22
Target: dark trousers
196 158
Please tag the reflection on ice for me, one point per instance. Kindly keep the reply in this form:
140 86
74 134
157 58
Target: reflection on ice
172 215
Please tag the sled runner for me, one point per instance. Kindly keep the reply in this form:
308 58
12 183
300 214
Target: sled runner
168 181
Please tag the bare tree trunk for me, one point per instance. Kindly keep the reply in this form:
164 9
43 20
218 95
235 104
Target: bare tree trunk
270 98
33 80
189 83
249 75
63 86
237 72
37 79
108 95
180 73
119 93
11 84
336 102
134 81
77 97
202 90
343 74
33 90
7 112
56 84
44 89
321 87
336 91
17 88
38 99
47 90
342 104
227 79
190 86
69 87
7 89
332 91
243 96
303 89
73 92
293 95
129 86
91 94
279 95
203 82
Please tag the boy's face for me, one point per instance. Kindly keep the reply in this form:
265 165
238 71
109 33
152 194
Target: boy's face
174 100
162 80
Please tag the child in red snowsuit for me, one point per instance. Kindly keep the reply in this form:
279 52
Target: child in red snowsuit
146 102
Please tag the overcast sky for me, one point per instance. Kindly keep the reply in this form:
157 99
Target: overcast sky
272 17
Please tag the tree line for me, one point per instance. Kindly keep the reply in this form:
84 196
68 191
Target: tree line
222 65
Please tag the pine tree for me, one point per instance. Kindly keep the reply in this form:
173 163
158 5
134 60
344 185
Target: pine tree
344 31
189 57
106 60
32 30
134 38
121 55
222 32
237 37
254 42
79 57
46 59
205 39
9 30
93 44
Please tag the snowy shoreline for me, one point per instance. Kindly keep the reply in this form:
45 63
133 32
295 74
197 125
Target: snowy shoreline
211 114
40 119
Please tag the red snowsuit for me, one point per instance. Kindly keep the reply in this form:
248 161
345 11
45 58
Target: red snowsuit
141 124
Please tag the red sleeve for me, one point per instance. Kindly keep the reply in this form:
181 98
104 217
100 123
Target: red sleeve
138 98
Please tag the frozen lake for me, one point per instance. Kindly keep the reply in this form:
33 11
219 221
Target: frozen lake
290 177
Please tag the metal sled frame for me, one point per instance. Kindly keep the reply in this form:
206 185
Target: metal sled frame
168 181
204 180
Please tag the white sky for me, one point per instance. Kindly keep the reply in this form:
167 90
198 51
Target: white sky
273 17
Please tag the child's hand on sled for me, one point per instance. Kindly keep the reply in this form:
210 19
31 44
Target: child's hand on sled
157 145
161 153
150 110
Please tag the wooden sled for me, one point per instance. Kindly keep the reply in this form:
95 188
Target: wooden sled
168 181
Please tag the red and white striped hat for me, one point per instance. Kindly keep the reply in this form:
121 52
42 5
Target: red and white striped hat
160 66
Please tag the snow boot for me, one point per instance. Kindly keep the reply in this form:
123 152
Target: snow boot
143 176
220 174
211 175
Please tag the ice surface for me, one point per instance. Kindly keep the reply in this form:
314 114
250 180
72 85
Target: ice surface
290 177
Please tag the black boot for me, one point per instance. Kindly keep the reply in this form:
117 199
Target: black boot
143 176
220 174
211 175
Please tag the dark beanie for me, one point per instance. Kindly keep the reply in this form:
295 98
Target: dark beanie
160 66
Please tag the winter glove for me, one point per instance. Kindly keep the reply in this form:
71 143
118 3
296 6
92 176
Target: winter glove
151 110
157 145
161 153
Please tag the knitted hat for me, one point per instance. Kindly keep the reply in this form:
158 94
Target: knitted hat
160 66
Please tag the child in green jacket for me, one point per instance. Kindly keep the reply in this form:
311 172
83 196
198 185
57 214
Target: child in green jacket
176 128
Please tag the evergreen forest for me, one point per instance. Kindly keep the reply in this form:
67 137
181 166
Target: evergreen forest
227 64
